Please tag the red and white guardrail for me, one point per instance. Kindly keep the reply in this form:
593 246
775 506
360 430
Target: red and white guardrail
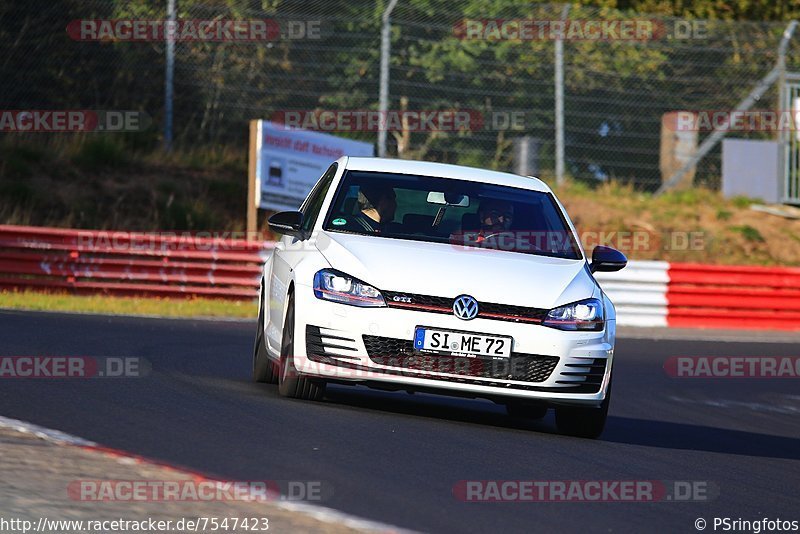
646 293
656 293
166 264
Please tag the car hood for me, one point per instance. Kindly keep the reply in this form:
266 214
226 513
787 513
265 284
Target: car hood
445 270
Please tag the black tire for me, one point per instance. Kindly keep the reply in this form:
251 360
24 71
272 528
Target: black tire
526 410
583 422
263 368
290 382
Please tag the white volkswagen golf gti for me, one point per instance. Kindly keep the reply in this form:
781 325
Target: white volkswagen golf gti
416 276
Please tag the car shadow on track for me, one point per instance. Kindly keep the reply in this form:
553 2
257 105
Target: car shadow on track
623 430
434 407
668 435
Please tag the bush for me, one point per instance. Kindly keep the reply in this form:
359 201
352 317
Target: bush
99 153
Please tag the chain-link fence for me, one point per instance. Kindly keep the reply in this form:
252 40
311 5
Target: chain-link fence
444 56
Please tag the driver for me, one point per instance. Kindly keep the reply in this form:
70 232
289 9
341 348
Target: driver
377 203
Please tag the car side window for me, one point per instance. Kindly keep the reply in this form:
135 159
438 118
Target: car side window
313 204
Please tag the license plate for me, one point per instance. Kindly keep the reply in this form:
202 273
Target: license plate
461 343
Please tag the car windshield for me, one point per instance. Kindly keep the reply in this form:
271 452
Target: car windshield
458 212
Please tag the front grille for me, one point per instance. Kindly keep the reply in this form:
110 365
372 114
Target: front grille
400 353
426 302
511 313
486 310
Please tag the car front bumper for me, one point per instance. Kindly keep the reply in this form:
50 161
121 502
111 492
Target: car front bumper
374 346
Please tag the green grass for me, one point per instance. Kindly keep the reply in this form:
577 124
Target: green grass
723 215
190 307
742 202
749 233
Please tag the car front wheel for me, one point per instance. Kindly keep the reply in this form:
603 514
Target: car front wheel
290 382
526 410
263 368
583 422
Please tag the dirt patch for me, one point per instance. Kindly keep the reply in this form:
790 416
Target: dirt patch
696 226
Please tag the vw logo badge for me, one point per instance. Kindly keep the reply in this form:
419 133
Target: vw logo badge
465 307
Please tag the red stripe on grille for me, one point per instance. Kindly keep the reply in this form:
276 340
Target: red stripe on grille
509 317
393 304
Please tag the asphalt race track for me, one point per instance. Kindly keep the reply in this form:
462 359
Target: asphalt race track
395 457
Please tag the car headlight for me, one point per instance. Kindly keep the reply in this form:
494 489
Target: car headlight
339 287
582 315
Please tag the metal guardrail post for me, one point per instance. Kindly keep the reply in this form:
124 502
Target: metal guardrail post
169 74
559 97
383 99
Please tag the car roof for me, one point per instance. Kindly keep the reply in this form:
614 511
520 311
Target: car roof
445 170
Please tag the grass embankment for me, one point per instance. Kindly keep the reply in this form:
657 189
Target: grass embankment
28 300
102 183
696 226
108 183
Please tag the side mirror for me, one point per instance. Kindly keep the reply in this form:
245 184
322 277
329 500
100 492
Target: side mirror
287 222
607 259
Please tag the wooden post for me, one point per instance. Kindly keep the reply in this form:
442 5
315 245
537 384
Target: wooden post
678 145
253 196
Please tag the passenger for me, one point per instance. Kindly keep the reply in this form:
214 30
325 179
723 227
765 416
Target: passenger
496 216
